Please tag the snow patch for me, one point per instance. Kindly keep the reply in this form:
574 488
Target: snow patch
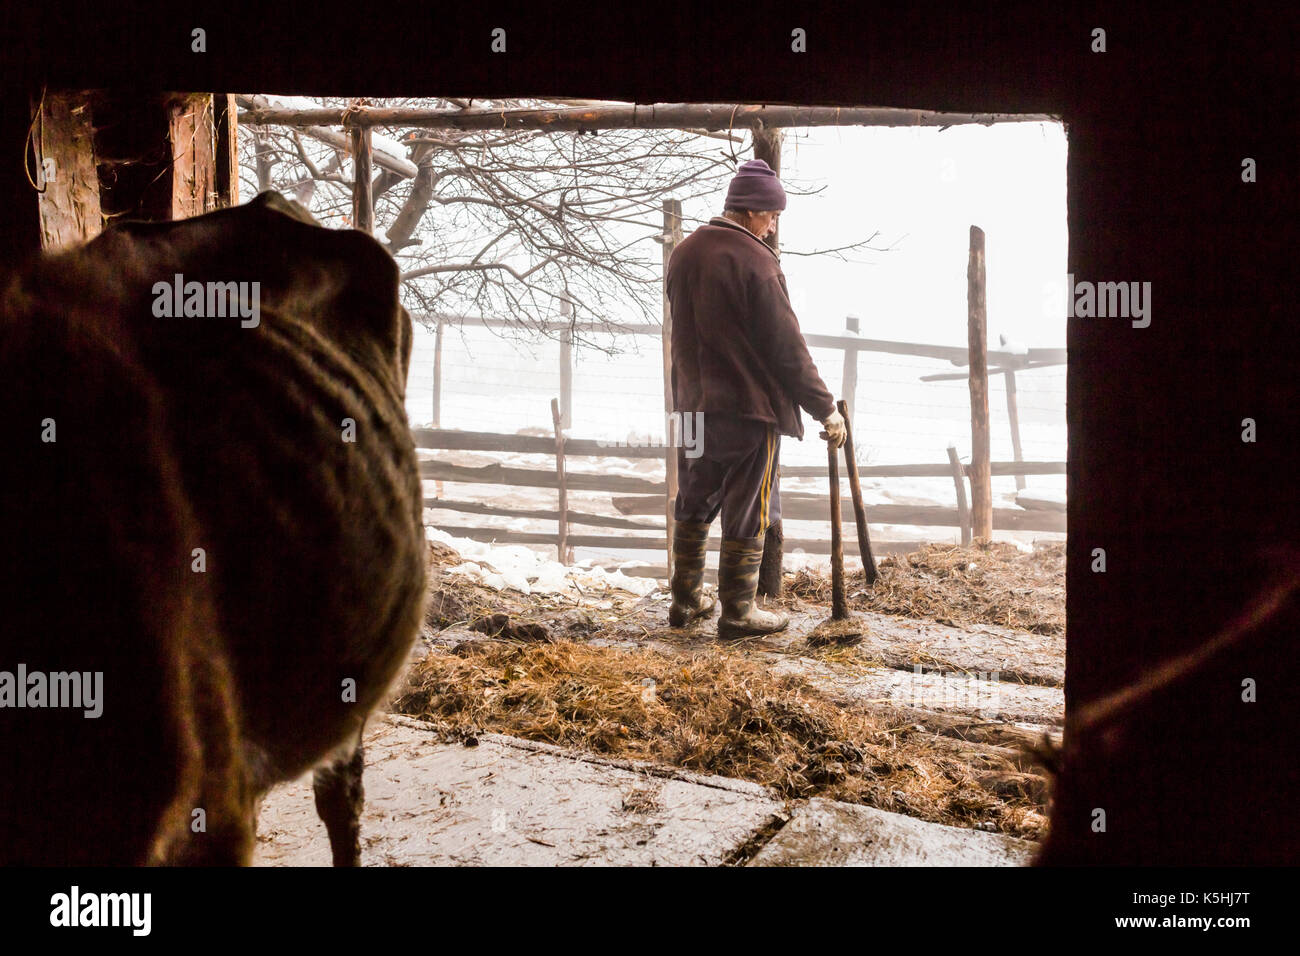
518 568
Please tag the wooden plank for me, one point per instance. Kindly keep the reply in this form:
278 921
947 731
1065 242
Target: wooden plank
959 481
805 507
562 542
933 471
849 378
981 485
615 542
542 514
993 369
672 235
1032 502
192 135
227 150
566 379
839 606
64 140
437 378
855 490
363 201
1013 414
332 138
495 474
954 354
706 116
454 440
767 147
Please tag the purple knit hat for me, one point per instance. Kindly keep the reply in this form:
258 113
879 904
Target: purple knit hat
755 188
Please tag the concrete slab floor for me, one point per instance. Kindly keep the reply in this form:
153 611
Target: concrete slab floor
827 833
507 802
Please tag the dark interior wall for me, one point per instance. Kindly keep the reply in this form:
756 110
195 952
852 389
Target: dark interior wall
1158 127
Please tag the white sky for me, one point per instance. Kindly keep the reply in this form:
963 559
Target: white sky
923 189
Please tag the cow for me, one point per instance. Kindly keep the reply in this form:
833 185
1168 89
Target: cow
210 509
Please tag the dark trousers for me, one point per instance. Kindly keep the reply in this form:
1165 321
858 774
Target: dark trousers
736 472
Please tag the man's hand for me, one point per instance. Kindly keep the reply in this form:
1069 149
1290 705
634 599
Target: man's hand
835 432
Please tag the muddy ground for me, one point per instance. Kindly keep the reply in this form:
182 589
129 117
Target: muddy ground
940 710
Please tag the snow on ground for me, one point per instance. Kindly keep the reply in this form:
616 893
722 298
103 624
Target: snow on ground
519 568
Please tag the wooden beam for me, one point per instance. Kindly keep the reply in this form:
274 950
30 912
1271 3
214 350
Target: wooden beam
363 200
226 180
981 485
806 507
541 514
839 606
672 235
566 368
933 471
437 376
562 537
495 474
1013 415
849 379
65 168
954 354
192 133
452 440
959 482
616 542
767 147
706 116
340 141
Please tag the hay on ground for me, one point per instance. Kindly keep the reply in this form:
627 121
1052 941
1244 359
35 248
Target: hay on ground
991 583
716 713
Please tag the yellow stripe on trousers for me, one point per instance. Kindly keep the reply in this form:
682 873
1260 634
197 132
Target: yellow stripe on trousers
765 489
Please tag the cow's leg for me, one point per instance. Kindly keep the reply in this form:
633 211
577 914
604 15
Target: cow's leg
339 799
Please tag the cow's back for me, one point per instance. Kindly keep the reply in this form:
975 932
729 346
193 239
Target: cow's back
232 513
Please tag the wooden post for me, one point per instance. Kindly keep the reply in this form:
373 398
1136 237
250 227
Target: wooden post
437 374
959 480
1013 415
65 167
562 540
839 606
672 209
767 147
869 569
981 481
566 366
363 203
192 132
437 387
227 169
849 382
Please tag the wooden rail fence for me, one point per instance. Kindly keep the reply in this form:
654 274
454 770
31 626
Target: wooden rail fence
634 496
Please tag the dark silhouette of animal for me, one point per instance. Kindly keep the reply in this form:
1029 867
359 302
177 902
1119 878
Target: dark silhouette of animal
226 524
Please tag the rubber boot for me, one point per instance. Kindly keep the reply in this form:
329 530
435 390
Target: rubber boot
690 544
737 583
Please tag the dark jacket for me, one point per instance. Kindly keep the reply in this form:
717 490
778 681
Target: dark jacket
736 344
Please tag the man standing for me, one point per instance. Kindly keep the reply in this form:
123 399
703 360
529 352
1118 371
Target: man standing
739 358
